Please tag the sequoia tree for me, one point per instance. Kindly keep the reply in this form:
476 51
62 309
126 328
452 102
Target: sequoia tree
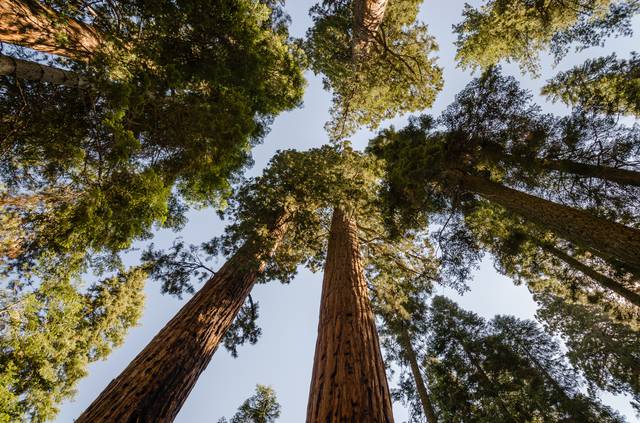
348 381
375 58
147 136
438 170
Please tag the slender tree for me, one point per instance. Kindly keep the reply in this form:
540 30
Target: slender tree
262 407
502 370
32 71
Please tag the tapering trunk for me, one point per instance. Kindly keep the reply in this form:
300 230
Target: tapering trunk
156 383
620 176
367 16
32 24
349 382
606 238
32 71
605 281
421 385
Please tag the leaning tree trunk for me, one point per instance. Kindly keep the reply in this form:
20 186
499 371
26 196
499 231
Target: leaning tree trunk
349 383
421 385
156 383
32 71
367 18
32 24
619 176
604 281
609 239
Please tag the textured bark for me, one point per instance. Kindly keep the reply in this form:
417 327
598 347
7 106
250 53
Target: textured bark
620 176
31 24
349 383
156 383
32 71
605 281
368 16
609 239
421 385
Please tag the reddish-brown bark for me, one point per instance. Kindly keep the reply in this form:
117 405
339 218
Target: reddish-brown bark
156 383
31 24
367 16
349 382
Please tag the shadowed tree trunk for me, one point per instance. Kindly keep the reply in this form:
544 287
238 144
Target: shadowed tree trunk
421 386
620 176
32 71
30 23
367 16
349 383
609 239
496 154
603 280
156 383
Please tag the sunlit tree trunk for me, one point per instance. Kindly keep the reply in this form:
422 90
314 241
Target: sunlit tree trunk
349 382
31 24
606 238
604 281
421 385
368 16
32 71
156 383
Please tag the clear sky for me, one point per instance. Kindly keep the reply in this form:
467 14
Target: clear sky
289 313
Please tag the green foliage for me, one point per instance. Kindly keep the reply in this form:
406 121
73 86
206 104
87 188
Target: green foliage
397 75
503 370
263 407
50 334
606 352
526 255
180 93
605 85
518 31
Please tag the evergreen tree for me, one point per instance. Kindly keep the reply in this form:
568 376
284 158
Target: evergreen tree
606 352
518 31
502 370
167 118
606 85
436 171
262 407
375 58
50 334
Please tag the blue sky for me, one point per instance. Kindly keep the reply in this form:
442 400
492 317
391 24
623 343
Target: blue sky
289 313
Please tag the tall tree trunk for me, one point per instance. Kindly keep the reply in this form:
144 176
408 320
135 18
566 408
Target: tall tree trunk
609 239
31 24
349 383
421 385
620 176
156 383
32 71
367 16
603 280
